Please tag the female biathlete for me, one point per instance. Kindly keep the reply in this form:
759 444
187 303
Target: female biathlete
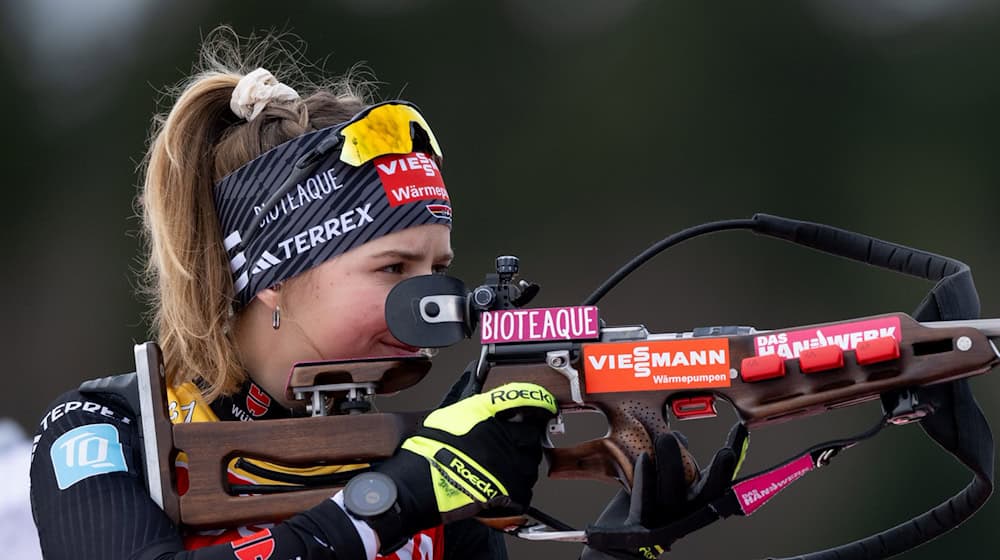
277 220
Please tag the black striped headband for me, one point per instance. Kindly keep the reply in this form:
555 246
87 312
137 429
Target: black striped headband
326 192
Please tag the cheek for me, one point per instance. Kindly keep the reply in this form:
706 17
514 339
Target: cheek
362 301
352 318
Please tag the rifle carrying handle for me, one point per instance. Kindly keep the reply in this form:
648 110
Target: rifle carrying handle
855 246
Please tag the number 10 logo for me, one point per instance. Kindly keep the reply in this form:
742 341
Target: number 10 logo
86 451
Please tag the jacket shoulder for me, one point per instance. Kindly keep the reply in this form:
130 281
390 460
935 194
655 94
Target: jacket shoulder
94 401
122 387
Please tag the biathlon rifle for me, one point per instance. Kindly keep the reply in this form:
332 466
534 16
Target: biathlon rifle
916 365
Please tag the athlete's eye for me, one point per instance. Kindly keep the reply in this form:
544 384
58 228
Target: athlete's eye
395 268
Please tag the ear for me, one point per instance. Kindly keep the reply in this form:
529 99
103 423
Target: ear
270 297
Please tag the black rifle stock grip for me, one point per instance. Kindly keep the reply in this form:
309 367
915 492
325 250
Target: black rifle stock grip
859 247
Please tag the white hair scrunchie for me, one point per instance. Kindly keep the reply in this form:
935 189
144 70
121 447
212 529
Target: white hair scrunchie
255 90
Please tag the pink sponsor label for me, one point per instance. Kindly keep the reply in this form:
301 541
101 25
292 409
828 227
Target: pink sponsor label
535 325
755 492
846 335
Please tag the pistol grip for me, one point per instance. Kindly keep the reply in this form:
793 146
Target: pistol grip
597 459
635 424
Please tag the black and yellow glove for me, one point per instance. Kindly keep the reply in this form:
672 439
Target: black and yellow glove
661 497
478 456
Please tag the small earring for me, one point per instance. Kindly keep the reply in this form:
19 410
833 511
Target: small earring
276 317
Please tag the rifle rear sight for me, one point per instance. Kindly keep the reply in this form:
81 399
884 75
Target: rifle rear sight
500 290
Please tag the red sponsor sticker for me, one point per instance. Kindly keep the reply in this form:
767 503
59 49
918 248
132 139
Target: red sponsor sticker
845 335
697 363
410 177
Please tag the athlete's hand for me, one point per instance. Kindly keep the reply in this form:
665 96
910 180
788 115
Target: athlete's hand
478 456
661 496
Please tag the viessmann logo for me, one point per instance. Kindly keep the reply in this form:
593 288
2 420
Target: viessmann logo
409 177
655 365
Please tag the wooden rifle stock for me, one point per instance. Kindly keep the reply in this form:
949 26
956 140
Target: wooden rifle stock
347 439
926 356
209 446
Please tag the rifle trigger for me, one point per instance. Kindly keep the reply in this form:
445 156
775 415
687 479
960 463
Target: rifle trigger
559 361
904 406
555 426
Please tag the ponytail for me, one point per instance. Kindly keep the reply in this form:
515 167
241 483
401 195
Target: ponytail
187 279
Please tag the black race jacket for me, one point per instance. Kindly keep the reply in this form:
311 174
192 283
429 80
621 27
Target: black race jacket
89 498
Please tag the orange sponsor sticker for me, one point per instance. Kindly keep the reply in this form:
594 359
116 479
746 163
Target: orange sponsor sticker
655 365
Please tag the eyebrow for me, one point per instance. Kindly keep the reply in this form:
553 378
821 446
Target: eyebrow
410 256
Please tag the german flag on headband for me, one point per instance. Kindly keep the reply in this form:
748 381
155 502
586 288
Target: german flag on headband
326 192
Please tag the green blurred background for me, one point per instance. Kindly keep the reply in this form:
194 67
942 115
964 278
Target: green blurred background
576 133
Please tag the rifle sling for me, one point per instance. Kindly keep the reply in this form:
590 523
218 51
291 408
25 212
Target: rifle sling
954 421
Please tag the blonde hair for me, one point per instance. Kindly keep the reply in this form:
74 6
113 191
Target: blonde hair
200 140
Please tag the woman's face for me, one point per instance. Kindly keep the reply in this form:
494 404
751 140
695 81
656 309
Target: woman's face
336 310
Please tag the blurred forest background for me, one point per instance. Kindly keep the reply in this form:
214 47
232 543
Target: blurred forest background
576 133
